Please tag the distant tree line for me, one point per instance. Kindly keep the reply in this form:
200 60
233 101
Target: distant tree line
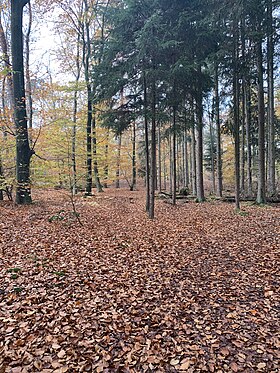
181 76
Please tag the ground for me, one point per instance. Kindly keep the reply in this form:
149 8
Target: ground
195 290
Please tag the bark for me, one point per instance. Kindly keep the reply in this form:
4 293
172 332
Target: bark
236 117
243 122
75 110
186 158
212 155
27 71
164 168
170 164
95 164
174 169
86 59
218 133
153 153
23 151
89 142
106 167
193 153
261 196
1 178
119 140
199 149
133 184
147 153
159 160
248 136
271 118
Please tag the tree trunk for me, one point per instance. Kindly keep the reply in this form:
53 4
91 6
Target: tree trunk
270 117
248 136
193 152
261 197
133 184
73 150
236 118
119 139
153 153
147 155
106 167
23 151
159 160
27 70
164 167
170 163
1 179
89 143
174 168
86 59
212 155
199 149
74 128
243 123
186 158
218 132
95 163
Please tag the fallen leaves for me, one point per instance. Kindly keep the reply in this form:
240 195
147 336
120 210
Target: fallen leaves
195 290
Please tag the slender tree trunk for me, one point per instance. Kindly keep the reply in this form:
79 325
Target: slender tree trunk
95 163
1 179
270 81
236 118
193 153
119 139
218 133
170 164
27 71
153 153
75 110
248 136
147 153
164 168
243 140
261 197
89 143
23 151
186 158
73 152
243 122
183 151
159 160
199 149
106 167
133 184
86 60
174 158
212 155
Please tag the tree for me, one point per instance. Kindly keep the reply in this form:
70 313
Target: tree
271 111
23 150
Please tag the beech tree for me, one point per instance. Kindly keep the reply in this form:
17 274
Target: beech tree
23 150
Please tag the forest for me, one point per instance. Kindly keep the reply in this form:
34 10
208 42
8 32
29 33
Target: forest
139 186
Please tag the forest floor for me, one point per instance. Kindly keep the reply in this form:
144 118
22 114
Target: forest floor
195 290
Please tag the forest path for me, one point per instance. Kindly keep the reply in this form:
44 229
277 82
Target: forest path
195 290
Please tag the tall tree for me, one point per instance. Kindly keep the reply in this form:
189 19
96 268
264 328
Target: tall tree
218 131
271 113
23 150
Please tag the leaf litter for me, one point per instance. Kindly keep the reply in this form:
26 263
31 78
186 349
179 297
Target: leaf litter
195 290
